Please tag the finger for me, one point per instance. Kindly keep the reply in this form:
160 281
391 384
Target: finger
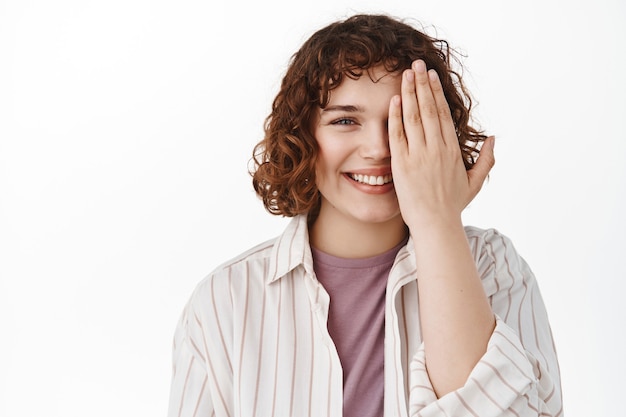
397 139
443 110
478 173
410 111
427 106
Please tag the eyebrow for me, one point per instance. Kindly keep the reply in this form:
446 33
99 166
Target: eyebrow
345 108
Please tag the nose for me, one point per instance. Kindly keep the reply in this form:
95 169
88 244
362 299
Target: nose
375 143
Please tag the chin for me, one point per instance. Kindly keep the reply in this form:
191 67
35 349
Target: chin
378 216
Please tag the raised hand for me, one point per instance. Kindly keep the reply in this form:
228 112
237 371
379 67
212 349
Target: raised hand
429 175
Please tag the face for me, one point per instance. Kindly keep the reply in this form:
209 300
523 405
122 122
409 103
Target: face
354 162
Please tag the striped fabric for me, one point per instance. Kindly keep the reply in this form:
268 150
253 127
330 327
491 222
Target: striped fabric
253 340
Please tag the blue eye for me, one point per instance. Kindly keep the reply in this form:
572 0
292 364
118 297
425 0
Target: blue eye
343 122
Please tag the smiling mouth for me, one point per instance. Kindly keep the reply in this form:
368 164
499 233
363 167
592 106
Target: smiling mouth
372 179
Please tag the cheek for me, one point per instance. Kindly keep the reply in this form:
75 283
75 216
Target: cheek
332 154
320 170
326 167
328 161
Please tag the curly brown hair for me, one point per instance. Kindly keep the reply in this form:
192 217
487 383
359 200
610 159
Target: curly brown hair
284 161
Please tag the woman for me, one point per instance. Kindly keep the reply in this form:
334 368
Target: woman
376 300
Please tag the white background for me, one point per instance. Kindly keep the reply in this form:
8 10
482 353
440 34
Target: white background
125 132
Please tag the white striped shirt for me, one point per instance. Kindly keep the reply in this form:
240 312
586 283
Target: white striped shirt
253 340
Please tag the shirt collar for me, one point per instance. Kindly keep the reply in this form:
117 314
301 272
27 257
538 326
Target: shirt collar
291 250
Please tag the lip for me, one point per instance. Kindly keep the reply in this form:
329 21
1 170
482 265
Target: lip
366 188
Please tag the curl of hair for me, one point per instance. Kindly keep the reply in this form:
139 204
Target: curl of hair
284 161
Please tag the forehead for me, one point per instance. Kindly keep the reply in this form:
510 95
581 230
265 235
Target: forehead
375 83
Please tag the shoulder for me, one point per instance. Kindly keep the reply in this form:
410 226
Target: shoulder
260 252
252 264
497 260
216 296
489 242
257 266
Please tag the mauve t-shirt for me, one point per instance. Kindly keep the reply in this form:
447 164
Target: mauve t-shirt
356 323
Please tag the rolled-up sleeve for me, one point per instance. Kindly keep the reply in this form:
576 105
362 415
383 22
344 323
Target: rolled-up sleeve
519 374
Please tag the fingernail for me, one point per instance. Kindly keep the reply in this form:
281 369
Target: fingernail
419 66
432 74
408 74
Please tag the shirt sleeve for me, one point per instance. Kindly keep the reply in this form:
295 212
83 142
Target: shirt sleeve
519 373
189 392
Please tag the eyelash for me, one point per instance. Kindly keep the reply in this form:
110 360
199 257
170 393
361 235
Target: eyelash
342 122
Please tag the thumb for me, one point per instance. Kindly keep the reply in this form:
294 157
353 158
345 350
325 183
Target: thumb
478 173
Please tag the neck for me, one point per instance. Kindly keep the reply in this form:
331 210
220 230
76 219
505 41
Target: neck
351 238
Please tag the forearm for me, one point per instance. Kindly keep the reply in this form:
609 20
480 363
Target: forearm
455 315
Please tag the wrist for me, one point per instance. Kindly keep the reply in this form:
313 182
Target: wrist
439 221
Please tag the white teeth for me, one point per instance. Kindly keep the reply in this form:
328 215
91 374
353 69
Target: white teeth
372 179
